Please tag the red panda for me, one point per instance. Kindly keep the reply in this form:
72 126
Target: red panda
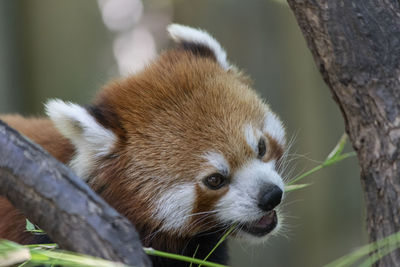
184 148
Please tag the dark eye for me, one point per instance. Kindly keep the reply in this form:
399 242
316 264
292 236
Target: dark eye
215 181
261 148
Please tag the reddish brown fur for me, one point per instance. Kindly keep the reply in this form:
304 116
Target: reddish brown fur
164 128
274 149
205 201
161 117
12 225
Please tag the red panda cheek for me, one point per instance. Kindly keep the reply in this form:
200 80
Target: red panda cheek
205 201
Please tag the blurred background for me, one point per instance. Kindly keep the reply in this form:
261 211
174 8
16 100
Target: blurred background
69 48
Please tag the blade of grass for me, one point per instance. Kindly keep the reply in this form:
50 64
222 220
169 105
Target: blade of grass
23 264
333 157
337 150
305 174
65 258
220 241
39 256
44 246
324 164
293 187
390 242
154 252
11 254
30 227
376 256
194 255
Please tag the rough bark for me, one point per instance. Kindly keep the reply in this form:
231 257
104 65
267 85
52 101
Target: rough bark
356 45
51 196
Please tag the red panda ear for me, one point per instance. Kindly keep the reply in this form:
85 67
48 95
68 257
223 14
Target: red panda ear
90 138
199 42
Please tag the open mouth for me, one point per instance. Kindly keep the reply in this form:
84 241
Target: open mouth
263 226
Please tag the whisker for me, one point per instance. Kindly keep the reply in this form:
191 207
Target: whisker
304 156
285 204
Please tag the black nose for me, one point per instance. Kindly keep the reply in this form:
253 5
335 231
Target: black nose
270 197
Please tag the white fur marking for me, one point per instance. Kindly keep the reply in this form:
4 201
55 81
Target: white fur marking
180 33
252 136
240 204
174 207
90 139
218 161
274 127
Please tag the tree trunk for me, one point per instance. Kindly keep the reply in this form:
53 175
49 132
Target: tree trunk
356 45
65 207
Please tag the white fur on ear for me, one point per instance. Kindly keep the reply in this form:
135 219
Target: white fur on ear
90 139
181 34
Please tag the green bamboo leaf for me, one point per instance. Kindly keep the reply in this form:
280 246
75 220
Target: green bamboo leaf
337 150
334 156
194 255
382 246
12 253
29 226
154 252
293 187
219 242
377 256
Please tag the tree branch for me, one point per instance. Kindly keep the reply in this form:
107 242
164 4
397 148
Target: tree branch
50 195
356 45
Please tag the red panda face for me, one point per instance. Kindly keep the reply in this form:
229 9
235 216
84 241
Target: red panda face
183 147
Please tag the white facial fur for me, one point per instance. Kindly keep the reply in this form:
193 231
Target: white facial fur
174 207
252 136
180 34
240 203
273 126
218 161
91 140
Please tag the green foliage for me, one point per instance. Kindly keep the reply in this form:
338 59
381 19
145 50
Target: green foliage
293 187
154 252
220 242
30 227
33 255
375 250
333 157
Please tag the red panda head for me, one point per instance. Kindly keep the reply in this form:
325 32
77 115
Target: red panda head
185 146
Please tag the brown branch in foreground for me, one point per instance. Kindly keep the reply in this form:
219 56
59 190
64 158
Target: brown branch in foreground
50 195
356 45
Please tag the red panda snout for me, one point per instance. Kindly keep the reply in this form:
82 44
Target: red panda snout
242 202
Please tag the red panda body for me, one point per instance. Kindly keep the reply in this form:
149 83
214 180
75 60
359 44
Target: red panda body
184 149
